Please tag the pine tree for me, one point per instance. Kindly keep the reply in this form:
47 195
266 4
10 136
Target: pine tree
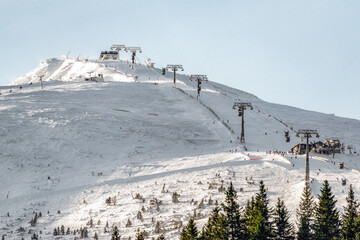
284 230
258 225
85 233
140 235
157 227
215 227
350 216
55 233
190 232
115 235
357 226
248 213
327 222
129 223
234 223
175 197
139 216
305 214
34 237
161 237
96 237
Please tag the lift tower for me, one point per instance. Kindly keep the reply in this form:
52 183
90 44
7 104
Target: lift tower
118 48
307 133
174 68
41 81
241 110
199 78
133 51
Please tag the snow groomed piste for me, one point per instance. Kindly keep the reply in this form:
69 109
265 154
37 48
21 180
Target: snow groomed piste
72 145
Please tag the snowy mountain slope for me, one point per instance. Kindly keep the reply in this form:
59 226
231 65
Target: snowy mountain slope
76 141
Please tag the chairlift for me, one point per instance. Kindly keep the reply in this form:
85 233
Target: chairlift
341 165
343 181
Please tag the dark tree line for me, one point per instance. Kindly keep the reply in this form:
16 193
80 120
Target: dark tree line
257 221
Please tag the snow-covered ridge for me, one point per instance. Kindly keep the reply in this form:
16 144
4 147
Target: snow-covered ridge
70 69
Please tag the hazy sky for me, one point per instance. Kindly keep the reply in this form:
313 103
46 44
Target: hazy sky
300 53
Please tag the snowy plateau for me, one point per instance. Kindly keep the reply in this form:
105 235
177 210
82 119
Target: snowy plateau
67 148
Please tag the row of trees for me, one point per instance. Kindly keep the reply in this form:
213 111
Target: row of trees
257 221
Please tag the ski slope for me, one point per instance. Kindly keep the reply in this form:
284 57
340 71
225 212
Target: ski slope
73 144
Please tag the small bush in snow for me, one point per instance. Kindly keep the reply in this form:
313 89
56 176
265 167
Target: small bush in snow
210 202
139 197
139 216
175 197
201 204
111 201
158 227
129 223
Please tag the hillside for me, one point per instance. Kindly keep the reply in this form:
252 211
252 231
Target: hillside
73 144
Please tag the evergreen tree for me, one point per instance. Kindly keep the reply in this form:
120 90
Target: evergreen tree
86 233
305 214
140 235
357 226
259 225
129 223
234 223
34 237
327 222
215 227
115 235
284 230
248 213
55 233
158 227
350 216
139 216
175 197
161 237
189 232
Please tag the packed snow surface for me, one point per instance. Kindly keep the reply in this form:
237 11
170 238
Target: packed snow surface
70 146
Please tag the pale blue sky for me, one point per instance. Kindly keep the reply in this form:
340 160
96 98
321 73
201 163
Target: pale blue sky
302 53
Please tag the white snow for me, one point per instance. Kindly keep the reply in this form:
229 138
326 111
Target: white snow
120 137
